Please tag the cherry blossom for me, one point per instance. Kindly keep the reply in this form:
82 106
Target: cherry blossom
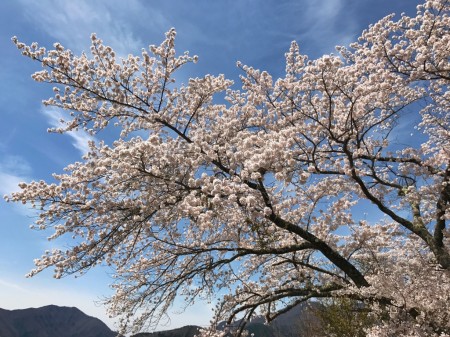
256 202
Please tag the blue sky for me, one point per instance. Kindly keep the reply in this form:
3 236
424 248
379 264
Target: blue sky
220 32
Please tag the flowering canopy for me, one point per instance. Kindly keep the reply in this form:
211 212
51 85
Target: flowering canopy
260 198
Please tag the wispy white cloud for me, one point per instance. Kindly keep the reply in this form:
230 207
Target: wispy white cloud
80 138
12 286
9 183
13 170
321 23
265 29
325 11
14 163
72 22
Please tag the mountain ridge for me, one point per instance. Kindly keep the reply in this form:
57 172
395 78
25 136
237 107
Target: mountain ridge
51 321
57 321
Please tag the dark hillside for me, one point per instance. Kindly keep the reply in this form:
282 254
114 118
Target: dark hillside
51 321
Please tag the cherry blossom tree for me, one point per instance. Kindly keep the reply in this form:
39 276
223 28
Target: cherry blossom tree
260 199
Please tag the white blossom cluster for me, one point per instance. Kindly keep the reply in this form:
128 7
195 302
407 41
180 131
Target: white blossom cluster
257 198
